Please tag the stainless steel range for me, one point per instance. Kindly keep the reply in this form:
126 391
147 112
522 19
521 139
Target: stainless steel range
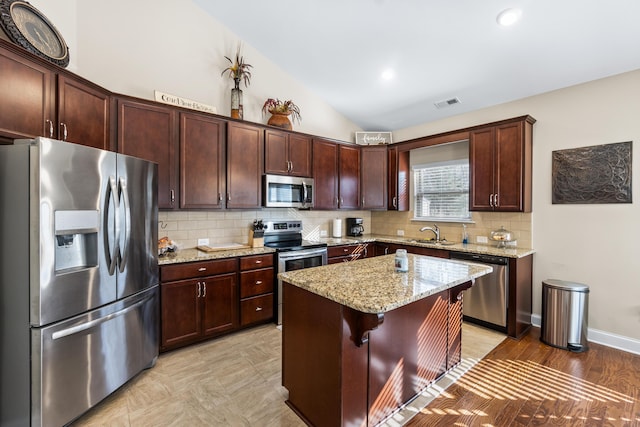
292 251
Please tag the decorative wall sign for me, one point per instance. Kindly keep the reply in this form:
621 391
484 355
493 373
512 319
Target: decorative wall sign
596 174
373 138
183 102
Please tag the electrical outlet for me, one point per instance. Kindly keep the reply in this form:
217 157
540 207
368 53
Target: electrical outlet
323 233
400 232
482 239
203 242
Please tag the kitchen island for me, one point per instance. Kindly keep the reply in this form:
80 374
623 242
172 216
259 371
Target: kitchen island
360 340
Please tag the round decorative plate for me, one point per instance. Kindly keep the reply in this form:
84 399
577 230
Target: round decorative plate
28 27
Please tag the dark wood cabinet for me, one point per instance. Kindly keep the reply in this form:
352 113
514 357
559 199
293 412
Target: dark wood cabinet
325 174
383 248
27 97
198 300
500 167
346 253
148 130
257 277
41 100
349 176
202 161
373 177
245 147
84 113
287 153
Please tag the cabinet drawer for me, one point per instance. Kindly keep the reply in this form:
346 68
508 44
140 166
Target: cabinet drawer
256 309
338 251
189 270
256 261
256 282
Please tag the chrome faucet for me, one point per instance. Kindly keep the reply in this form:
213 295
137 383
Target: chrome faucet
435 229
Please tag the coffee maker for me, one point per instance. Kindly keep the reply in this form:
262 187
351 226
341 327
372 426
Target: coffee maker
354 227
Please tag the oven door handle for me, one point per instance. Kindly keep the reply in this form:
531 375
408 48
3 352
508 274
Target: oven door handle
305 253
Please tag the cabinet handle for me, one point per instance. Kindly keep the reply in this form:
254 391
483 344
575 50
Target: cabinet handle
228 197
50 127
491 200
202 269
341 201
204 285
345 250
199 290
363 201
365 252
495 200
395 202
219 198
258 308
259 261
172 194
64 131
386 250
258 282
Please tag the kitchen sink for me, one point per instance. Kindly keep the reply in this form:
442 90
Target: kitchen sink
432 242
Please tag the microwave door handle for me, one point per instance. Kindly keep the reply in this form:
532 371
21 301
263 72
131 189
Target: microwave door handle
304 193
127 224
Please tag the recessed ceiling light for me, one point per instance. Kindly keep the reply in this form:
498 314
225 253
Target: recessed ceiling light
509 17
387 74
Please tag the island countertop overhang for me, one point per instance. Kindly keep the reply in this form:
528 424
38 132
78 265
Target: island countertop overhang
372 285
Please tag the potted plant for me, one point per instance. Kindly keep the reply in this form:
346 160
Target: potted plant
238 70
280 112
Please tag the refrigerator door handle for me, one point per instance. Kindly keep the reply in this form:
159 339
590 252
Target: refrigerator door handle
93 323
110 240
127 224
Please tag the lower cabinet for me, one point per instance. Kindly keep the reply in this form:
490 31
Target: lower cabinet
345 253
256 289
199 300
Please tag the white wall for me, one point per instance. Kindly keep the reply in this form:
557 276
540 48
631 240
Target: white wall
136 47
591 244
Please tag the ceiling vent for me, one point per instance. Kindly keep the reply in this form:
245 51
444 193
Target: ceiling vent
447 103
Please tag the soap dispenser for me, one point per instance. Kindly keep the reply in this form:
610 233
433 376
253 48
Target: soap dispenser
465 235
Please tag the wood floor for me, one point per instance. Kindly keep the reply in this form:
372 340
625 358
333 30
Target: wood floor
527 383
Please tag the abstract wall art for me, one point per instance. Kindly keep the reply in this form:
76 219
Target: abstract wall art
595 174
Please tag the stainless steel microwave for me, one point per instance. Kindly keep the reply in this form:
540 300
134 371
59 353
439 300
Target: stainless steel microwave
287 192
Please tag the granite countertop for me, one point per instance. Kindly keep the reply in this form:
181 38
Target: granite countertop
509 252
193 254
371 285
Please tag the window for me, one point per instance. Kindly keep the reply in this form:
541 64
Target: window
441 191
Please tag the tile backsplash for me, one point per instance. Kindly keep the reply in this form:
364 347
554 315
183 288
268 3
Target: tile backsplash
186 227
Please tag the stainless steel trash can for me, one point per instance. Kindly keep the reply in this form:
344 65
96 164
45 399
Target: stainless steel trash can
565 311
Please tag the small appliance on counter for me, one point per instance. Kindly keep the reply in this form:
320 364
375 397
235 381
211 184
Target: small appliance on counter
355 227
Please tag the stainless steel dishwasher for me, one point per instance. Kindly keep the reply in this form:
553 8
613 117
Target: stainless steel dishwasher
486 302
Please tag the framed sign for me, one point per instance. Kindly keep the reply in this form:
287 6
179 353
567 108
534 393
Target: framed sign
373 138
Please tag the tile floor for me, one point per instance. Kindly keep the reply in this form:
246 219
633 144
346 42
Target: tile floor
235 381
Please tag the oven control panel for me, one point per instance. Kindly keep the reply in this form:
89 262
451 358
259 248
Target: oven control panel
283 226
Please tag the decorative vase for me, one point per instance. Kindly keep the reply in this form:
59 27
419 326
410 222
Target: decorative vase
280 120
236 100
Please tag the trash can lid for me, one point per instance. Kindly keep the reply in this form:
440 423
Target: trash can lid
566 285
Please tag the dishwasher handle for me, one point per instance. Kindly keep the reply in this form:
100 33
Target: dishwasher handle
483 258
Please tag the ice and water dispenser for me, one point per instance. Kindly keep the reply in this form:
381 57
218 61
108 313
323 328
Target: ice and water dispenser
76 240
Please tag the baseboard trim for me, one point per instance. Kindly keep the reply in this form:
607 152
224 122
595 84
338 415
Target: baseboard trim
605 338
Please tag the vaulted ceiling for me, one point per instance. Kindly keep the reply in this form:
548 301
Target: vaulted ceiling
436 50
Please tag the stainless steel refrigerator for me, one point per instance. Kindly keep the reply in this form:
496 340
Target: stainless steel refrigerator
78 278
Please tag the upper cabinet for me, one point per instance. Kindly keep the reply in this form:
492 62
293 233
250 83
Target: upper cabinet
202 161
287 153
42 100
148 130
500 166
245 147
325 174
373 178
349 176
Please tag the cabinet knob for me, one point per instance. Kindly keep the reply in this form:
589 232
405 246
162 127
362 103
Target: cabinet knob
258 282
202 269
258 308
259 261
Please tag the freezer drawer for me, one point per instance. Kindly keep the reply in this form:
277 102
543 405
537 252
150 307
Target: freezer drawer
89 356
